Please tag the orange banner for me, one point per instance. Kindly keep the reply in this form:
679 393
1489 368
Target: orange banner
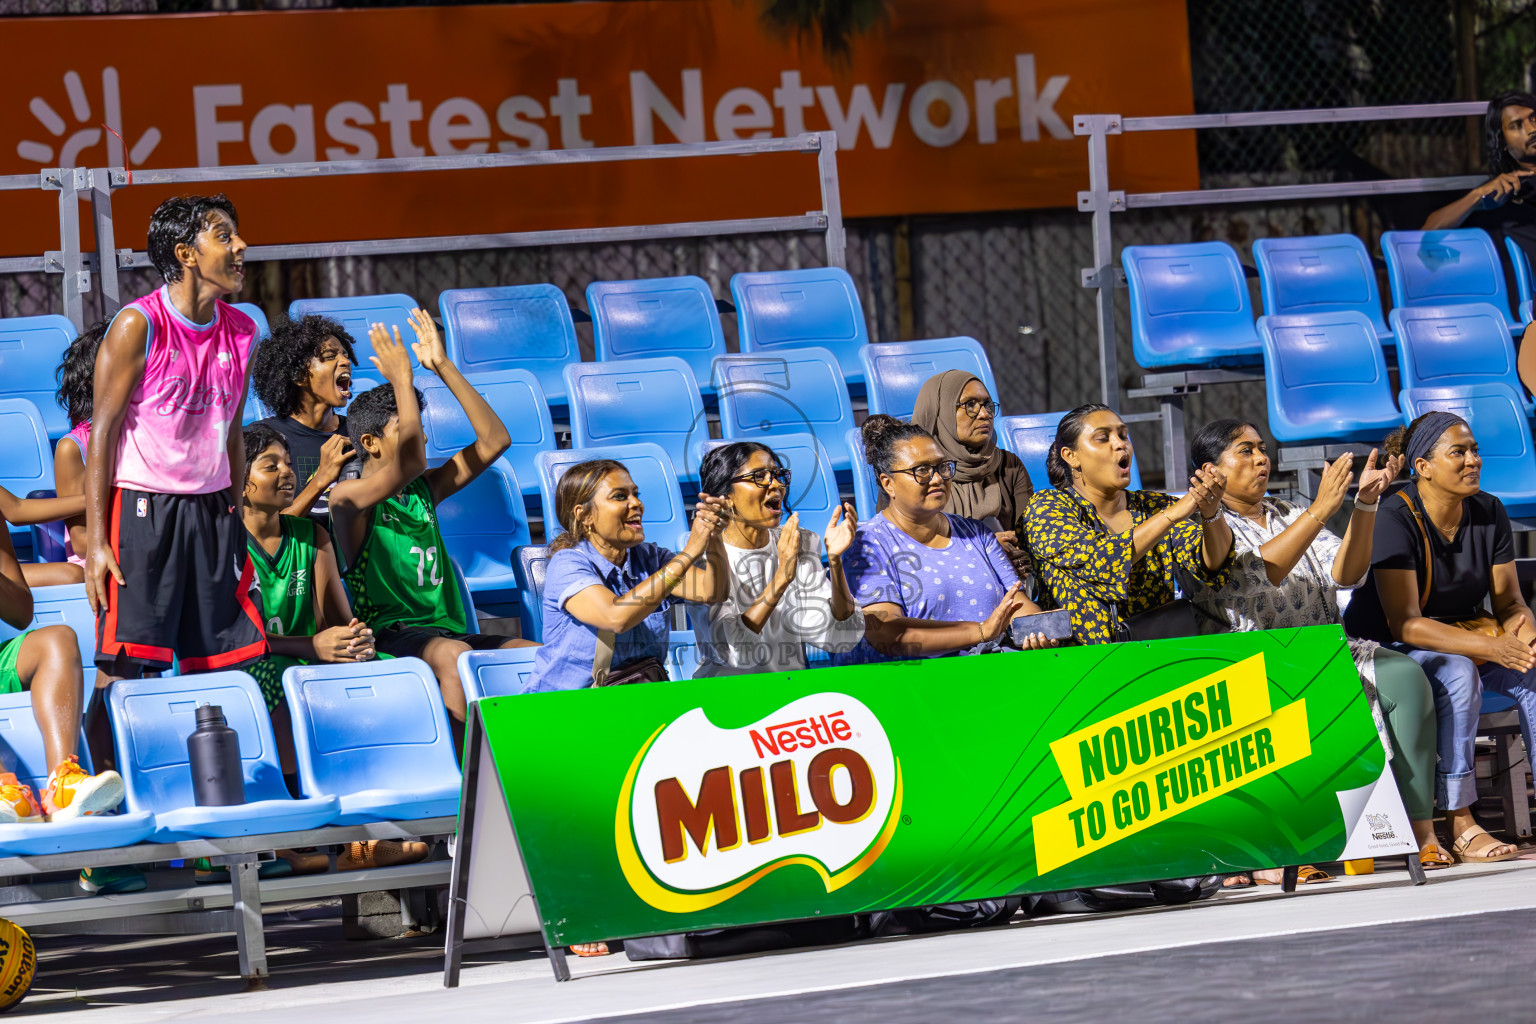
959 106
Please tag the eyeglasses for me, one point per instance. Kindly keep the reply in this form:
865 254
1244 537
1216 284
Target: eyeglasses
974 406
764 477
924 472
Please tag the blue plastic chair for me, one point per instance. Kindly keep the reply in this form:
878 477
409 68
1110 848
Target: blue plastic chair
665 519
1498 421
1029 437
1319 274
151 719
813 486
374 738
785 392
530 565
1523 280
63 606
682 654
1326 378
1443 346
31 349
1189 306
503 673
637 400
482 524
657 316
866 488
517 327
471 620
894 371
357 313
1445 268
22 752
256 313
817 307
516 398
26 457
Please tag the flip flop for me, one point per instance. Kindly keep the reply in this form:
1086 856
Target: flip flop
591 949
1305 875
1461 848
1241 880
1430 858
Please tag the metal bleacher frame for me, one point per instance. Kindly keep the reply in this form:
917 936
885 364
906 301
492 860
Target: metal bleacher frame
73 266
828 220
1102 202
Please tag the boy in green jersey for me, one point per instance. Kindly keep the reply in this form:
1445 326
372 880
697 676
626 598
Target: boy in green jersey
386 520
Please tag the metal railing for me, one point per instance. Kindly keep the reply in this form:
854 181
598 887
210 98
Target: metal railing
828 220
67 260
1102 202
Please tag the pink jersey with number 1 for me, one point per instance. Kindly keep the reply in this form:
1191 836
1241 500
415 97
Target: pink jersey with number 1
175 431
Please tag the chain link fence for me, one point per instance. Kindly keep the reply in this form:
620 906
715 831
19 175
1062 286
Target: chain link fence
988 276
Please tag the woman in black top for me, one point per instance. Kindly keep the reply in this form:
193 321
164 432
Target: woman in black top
1414 605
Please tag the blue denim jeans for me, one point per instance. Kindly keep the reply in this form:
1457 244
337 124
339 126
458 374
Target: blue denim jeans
1458 691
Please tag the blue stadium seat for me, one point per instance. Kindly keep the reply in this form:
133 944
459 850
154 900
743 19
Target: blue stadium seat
530 565
471 619
1498 421
1029 437
374 737
22 753
255 312
812 488
514 395
1445 268
1443 346
1319 274
63 606
26 457
151 719
1523 280
518 327
763 394
357 313
638 400
1189 306
658 316
31 349
866 488
48 539
894 371
501 673
1326 378
682 654
665 519
482 524
816 307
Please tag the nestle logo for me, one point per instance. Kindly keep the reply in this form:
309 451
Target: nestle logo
801 734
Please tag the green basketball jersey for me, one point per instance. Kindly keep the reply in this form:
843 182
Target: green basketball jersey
287 579
402 576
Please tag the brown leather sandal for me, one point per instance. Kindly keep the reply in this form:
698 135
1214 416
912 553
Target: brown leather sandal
1433 858
1462 848
1305 875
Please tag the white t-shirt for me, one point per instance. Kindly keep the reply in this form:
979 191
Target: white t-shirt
802 616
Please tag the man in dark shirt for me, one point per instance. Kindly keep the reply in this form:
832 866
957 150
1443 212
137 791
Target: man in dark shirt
303 374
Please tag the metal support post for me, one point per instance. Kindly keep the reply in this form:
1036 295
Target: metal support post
106 244
1099 201
832 201
249 937
1175 451
69 181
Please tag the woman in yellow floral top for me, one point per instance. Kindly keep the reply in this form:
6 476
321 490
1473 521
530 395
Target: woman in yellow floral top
1105 552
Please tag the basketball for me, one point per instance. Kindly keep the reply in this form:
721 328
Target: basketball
18 964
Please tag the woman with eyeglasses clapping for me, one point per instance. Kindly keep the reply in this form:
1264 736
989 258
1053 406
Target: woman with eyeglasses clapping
931 583
780 597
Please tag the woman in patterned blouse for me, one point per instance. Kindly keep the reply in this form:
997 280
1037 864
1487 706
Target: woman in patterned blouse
1105 552
1287 569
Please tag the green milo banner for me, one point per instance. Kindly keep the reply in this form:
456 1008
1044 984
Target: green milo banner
680 806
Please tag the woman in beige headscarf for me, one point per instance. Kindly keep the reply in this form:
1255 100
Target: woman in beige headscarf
990 484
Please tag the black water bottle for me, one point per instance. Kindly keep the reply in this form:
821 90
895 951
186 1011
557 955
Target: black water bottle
213 749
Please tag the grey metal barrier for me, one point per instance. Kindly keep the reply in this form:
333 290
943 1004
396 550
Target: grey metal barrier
828 220
67 260
1102 202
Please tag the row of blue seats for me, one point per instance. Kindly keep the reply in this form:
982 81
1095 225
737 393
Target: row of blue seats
1190 304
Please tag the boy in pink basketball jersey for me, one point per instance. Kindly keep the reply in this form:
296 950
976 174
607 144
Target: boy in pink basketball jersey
166 569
